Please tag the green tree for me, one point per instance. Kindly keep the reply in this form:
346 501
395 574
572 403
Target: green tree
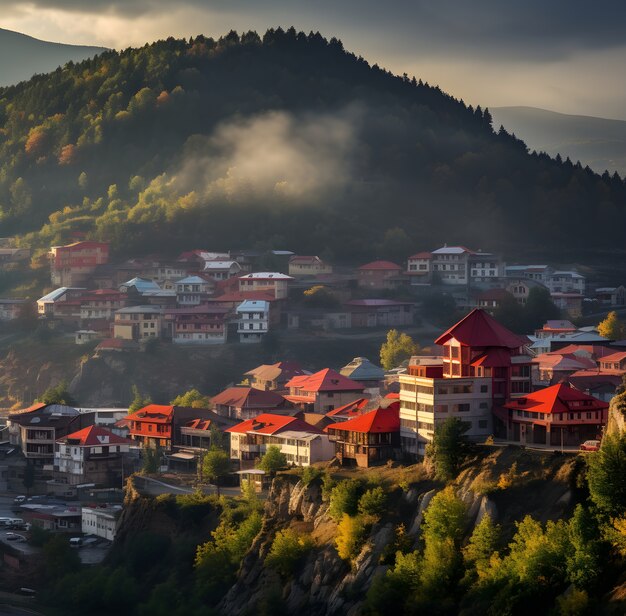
584 562
481 547
288 549
150 459
59 557
193 399
396 245
57 395
396 349
612 327
373 502
605 475
215 465
273 460
442 531
139 400
449 448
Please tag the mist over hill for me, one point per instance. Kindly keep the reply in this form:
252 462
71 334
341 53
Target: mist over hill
597 142
285 140
23 56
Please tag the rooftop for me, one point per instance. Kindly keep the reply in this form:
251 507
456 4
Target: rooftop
380 265
248 398
265 276
378 420
559 398
269 423
94 435
325 380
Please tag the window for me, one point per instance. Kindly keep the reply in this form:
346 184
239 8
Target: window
484 389
483 423
461 408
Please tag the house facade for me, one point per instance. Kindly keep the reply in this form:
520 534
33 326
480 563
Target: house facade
308 266
368 439
247 402
302 443
138 323
71 265
91 455
253 320
274 282
322 391
197 325
379 275
380 313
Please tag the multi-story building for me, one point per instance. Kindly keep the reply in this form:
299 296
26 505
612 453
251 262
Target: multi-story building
274 282
302 443
202 324
450 265
138 323
253 319
158 425
569 281
323 391
483 365
91 455
556 416
270 377
485 267
54 304
37 428
419 268
368 439
193 290
221 270
101 304
247 402
379 275
308 266
71 265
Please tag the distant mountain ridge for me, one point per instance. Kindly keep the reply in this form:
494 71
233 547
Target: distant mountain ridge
22 56
597 142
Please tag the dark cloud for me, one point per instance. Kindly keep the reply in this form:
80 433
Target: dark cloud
528 29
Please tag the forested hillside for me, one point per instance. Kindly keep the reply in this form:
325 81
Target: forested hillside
286 140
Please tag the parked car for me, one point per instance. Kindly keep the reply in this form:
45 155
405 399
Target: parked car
19 499
590 446
15 537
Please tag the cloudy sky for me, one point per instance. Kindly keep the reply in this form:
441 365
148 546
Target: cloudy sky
564 55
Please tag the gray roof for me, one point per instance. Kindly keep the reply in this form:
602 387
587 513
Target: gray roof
362 369
142 285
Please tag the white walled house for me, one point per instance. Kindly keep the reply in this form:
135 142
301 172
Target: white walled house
275 282
302 443
100 522
253 320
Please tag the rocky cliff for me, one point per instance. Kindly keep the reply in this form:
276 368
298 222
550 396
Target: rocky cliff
544 486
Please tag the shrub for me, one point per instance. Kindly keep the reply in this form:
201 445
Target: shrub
344 499
373 502
288 549
310 474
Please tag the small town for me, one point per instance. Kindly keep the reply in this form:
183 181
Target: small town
312 309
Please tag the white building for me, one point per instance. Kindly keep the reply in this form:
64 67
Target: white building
302 443
222 270
569 281
253 320
100 522
192 290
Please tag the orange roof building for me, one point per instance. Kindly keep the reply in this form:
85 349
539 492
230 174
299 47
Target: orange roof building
248 402
555 416
370 438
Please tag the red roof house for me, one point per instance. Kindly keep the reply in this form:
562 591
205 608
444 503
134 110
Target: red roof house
323 391
247 402
557 415
379 275
370 438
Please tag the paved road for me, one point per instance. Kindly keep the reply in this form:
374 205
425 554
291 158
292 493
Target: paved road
148 486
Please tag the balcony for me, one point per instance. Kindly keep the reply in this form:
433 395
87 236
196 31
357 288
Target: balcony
249 447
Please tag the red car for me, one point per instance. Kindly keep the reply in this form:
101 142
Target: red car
590 446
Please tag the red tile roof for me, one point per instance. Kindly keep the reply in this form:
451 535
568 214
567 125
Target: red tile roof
614 357
157 413
248 398
324 380
198 424
380 265
378 420
493 358
32 408
556 399
351 409
421 255
95 435
479 329
268 423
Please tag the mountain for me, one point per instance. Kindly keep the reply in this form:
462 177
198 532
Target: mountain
597 142
280 141
23 56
